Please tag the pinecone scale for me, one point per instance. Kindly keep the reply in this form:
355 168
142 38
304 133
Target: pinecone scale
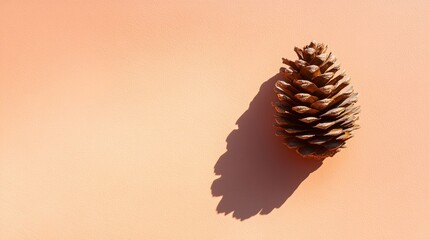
316 108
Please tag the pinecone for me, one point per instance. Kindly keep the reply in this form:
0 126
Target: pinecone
316 111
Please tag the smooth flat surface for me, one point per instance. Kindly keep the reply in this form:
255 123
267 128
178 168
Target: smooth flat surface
116 116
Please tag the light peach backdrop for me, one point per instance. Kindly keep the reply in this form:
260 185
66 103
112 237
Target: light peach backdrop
115 115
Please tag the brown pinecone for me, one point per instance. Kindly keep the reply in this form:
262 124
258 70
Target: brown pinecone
316 111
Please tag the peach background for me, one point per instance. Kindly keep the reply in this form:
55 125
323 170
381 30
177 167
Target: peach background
113 115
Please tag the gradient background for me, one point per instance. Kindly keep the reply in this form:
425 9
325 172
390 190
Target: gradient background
113 115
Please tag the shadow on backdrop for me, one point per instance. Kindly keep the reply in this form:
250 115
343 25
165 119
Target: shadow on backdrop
257 172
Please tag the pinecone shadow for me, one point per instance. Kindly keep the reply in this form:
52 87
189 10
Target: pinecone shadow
257 172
